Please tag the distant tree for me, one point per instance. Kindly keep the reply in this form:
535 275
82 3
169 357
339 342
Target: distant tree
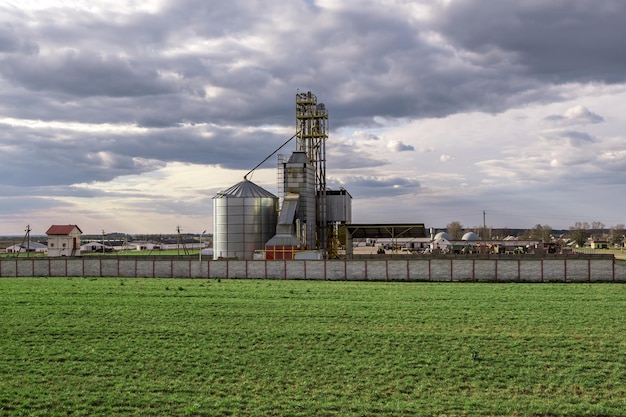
542 233
597 229
499 234
536 232
496 234
579 233
484 232
597 225
581 225
455 230
539 232
616 234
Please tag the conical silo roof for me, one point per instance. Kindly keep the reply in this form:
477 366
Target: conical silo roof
244 189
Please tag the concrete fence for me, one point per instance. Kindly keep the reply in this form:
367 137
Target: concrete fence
442 269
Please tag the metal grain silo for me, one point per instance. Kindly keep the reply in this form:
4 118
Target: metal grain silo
244 219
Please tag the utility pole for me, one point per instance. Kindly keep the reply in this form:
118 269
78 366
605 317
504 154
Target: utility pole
484 225
200 252
28 240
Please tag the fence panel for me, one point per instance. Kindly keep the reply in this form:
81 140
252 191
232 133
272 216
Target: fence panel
531 269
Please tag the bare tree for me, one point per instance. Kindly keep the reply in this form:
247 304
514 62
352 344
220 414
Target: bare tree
616 234
581 225
597 229
542 233
455 230
539 232
579 233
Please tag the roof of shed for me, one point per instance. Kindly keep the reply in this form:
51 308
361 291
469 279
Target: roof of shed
62 229
31 245
390 231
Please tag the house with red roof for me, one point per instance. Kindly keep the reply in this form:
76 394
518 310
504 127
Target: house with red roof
64 240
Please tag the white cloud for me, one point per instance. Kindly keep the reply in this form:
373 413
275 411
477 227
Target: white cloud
398 146
577 115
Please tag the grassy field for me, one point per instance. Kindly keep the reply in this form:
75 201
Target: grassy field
167 347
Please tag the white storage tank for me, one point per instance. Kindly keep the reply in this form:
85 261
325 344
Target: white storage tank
244 219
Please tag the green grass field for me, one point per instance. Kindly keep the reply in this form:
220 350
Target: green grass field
168 347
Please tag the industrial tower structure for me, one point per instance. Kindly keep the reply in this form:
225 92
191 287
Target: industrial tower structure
306 220
247 221
312 132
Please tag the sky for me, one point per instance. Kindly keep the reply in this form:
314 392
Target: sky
131 115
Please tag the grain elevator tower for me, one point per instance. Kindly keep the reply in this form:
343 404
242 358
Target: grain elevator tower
312 128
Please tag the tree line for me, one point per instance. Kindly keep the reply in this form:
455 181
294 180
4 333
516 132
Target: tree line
579 232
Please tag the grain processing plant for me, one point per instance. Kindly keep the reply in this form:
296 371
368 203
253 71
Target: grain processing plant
302 222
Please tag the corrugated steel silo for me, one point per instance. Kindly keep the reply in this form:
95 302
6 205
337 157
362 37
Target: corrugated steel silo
244 219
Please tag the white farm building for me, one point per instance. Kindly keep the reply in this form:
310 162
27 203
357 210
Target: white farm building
27 247
64 240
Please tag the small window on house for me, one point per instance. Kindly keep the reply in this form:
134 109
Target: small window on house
64 244
52 245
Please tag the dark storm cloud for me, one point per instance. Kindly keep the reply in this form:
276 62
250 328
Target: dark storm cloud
557 41
10 42
84 74
342 155
62 157
32 158
20 204
209 145
371 186
50 191
234 67
254 58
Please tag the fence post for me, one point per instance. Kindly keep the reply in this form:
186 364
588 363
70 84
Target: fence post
496 271
473 269
408 271
613 267
430 272
451 270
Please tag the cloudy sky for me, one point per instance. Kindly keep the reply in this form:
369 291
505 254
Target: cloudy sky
130 115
